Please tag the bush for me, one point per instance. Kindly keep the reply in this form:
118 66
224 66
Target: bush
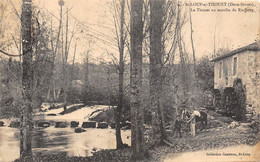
240 100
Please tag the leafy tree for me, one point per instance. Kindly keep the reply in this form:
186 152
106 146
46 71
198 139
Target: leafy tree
205 70
10 88
239 107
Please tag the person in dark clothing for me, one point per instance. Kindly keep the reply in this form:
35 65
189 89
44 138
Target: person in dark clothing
177 126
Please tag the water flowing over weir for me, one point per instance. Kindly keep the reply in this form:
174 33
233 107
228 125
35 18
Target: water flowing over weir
53 140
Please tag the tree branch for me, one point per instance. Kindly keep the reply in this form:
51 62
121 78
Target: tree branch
8 54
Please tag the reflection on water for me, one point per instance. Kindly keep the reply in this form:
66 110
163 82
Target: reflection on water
59 141
9 144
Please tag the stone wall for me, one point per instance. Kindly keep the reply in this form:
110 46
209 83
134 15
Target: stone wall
253 84
248 69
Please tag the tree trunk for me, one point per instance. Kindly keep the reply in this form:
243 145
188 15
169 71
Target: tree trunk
118 112
54 55
156 70
73 64
193 50
182 60
66 52
183 67
54 89
86 78
27 81
137 114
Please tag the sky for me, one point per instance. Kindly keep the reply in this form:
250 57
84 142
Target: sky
229 29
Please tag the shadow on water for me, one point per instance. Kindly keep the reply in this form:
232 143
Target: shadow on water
51 141
44 139
9 144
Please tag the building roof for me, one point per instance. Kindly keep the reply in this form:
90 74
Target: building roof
251 47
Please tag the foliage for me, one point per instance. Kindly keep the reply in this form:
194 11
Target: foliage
240 98
11 70
105 116
10 92
205 72
233 100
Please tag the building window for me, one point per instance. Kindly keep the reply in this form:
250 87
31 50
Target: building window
220 69
235 66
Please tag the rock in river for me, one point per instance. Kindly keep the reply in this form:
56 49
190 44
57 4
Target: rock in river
89 124
102 125
15 124
61 125
79 130
74 124
1 123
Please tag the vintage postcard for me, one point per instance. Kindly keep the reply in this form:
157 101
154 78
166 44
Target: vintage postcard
129 80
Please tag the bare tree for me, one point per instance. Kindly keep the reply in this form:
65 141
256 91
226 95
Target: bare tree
121 45
193 48
137 114
121 32
156 32
54 52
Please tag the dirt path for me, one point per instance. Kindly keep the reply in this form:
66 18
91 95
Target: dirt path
234 153
217 143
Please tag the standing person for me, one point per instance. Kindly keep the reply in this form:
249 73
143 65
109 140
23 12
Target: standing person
185 116
192 121
177 126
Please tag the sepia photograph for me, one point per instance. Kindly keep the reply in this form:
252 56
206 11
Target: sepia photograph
129 80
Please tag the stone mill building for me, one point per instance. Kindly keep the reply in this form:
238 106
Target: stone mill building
240 67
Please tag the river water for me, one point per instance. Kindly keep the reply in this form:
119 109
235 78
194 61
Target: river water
59 141
64 141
